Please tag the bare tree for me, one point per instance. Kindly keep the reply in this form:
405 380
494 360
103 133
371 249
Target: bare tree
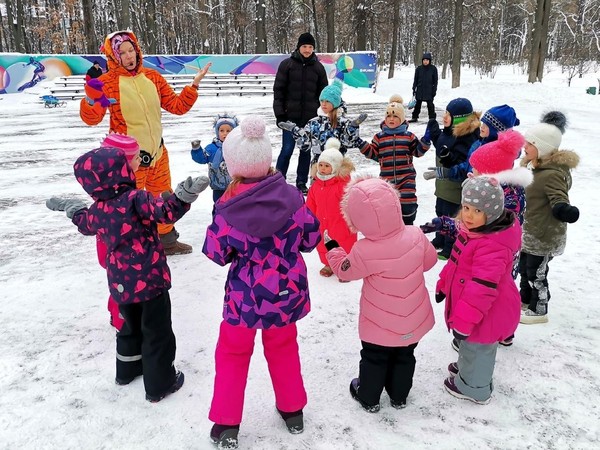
261 31
395 26
330 20
539 41
457 43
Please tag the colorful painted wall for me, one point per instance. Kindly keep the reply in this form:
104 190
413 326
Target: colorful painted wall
19 72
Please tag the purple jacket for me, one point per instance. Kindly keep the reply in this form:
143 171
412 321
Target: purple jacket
125 218
261 230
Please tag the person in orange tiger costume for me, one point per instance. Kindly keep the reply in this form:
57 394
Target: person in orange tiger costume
134 96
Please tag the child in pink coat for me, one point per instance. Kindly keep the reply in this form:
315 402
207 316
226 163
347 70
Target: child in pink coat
395 310
325 195
482 300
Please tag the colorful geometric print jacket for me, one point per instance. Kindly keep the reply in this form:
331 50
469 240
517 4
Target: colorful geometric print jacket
395 151
482 299
318 130
260 229
125 219
544 234
139 96
212 155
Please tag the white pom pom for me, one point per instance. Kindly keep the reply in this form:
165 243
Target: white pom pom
333 143
253 127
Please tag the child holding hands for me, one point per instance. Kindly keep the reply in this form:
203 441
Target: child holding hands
125 219
482 301
395 310
261 226
325 195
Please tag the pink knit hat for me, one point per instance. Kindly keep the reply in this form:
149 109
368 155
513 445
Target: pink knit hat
123 142
247 149
500 155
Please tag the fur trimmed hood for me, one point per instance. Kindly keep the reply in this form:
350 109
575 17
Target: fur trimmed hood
566 158
519 176
372 206
471 124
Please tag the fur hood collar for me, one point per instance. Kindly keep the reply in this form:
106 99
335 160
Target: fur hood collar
519 176
468 126
566 158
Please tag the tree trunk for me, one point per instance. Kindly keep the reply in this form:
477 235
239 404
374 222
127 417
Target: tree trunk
91 43
420 33
315 24
261 30
125 16
360 16
13 26
330 20
539 41
457 44
395 28
151 41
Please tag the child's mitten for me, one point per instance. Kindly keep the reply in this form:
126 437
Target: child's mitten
565 212
69 205
187 191
434 225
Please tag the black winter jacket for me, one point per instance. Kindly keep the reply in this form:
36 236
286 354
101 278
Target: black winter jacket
425 82
298 84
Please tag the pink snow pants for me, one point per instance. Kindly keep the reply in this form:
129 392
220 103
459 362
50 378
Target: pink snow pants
232 360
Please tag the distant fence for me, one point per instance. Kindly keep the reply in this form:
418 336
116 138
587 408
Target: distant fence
19 72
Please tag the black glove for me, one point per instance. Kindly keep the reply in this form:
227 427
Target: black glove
440 297
330 244
430 227
565 212
459 336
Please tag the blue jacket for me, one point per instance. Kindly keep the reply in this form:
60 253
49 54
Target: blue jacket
217 169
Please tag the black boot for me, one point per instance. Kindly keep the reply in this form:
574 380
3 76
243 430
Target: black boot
225 436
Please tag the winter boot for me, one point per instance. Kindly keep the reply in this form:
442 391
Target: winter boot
453 369
225 436
294 421
530 317
453 390
172 246
179 378
354 386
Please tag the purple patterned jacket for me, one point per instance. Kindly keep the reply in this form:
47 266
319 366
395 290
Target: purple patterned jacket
125 218
261 231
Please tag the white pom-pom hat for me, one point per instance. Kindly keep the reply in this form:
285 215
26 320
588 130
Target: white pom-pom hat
331 155
247 149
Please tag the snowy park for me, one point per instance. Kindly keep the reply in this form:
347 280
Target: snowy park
57 367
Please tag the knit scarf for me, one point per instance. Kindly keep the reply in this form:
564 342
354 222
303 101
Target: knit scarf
391 131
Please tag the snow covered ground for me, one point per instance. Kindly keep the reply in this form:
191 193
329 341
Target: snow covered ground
57 348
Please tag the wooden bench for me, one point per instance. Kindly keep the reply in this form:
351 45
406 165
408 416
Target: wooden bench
72 87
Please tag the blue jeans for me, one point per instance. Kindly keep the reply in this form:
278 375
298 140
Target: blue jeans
283 160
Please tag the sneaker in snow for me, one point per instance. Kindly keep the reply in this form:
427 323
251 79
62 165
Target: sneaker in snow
530 317
453 369
453 390
506 342
354 386
455 344
225 436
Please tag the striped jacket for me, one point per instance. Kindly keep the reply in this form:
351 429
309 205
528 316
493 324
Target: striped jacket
395 153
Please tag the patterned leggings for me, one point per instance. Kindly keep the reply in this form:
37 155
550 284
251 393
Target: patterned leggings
534 281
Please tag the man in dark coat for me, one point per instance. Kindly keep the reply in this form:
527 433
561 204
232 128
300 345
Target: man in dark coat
95 71
298 83
425 87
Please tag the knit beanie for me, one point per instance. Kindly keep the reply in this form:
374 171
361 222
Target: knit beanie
332 93
485 194
426 55
332 155
123 142
396 108
547 136
247 149
306 39
498 119
225 119
499 155
116 42
459 109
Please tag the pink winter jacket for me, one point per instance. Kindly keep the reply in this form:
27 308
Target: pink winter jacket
395 310
482 300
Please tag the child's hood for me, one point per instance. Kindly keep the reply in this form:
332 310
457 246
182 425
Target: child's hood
104 173
263 209
519 176
469 126
371 206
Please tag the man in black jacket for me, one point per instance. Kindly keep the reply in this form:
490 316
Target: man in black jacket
95 71
298 83
425 87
